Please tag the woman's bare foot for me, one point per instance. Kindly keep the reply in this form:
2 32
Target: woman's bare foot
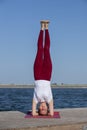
42 25
46 23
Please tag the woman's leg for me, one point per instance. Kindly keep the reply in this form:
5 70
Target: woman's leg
47 64
39 58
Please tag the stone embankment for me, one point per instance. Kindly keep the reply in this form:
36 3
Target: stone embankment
71 119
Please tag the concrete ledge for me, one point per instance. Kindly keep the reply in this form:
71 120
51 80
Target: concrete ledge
71 119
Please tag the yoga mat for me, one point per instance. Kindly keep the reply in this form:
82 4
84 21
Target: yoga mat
56 115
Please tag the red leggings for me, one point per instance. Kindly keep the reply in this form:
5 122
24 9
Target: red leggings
43 64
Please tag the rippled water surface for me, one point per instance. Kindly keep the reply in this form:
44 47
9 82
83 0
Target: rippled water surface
21 98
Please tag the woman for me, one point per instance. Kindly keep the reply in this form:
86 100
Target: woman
42 74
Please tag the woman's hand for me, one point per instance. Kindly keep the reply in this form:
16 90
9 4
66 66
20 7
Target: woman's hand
49 114
34 113
51 108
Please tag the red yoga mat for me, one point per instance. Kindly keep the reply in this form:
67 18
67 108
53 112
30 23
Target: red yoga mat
56 115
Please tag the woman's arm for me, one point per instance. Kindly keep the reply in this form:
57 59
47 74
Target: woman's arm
34 113
51 108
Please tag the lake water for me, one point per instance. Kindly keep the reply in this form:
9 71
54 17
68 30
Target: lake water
20 99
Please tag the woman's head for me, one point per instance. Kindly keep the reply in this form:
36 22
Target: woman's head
43 109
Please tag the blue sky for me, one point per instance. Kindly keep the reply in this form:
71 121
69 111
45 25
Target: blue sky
19 29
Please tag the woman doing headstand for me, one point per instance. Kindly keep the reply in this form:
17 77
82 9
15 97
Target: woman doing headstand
42 74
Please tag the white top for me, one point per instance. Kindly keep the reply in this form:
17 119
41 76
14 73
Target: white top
42 91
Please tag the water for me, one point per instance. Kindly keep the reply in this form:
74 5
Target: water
20 99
